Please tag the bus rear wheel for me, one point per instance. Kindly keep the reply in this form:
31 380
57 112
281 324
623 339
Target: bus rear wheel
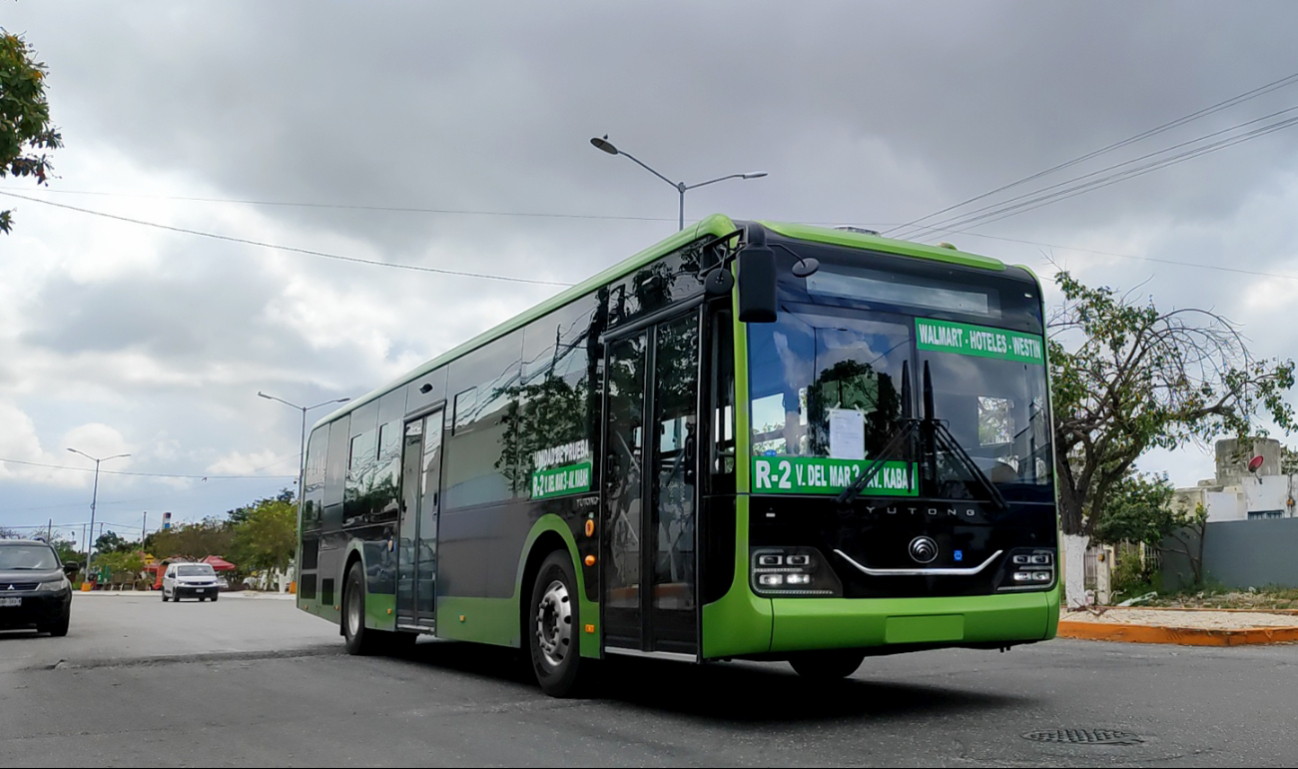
551 627
827 665
359 639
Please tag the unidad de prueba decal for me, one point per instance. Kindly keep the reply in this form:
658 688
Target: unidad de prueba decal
560 470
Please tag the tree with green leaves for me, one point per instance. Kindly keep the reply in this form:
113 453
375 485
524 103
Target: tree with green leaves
193 541
266 540
1128 377
112 542
1140 509
25 129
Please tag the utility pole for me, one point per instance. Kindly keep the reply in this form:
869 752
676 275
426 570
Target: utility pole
94 497
301 476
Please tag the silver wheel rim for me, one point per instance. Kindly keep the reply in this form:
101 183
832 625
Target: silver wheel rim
354 612
554 624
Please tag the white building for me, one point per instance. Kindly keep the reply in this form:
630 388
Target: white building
1237 493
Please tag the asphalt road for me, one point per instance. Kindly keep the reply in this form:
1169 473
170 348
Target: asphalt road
254 682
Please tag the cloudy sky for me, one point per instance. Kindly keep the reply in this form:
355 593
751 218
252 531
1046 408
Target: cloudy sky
454 136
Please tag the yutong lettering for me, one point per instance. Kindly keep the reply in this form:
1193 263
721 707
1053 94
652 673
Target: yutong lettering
949 512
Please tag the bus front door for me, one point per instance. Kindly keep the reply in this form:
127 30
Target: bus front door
421 471
648 504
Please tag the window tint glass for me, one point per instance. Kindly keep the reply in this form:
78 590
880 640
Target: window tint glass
28 558
672 278
362 470
336 471
548 425
479 460
314 482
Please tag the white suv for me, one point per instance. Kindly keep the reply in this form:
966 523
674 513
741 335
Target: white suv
197 580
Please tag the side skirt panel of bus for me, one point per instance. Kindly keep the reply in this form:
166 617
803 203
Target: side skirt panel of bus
499 621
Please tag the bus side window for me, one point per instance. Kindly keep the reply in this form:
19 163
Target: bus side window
722 398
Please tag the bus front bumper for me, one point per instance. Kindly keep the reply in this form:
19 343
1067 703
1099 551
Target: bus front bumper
842 623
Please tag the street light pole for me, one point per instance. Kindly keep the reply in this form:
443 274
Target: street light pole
301 474
94 498
681 187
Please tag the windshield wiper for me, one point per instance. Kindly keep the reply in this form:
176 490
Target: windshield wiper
943 439
938 436
906 432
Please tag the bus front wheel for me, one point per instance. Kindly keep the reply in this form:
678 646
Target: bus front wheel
827 665
551 626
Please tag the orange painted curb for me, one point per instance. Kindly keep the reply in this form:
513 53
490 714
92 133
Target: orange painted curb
1183 636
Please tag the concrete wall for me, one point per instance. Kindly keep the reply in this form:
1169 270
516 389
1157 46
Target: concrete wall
1241 554
1233 458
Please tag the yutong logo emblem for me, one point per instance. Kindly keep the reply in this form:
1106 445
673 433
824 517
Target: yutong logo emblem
923 549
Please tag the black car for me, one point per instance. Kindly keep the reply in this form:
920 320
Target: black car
33 589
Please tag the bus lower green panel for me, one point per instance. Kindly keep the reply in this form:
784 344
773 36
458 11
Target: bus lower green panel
319 610
381 611
484 620
739 623
1053 599
834 623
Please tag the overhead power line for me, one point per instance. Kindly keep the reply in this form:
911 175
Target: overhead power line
291 249
1036 199
1195 265
353 206
1228 103
1105 181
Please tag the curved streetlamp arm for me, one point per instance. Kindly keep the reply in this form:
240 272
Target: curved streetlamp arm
714 181
677 185
281 400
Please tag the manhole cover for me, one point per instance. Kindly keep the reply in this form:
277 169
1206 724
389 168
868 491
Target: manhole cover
1085 737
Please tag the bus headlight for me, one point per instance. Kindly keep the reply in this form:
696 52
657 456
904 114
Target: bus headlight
793 572
1028 569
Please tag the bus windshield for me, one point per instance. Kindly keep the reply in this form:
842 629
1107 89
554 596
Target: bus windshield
856 353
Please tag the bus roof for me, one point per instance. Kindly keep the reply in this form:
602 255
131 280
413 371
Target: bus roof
717 224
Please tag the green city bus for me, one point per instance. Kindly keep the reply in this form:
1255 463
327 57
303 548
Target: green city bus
752 440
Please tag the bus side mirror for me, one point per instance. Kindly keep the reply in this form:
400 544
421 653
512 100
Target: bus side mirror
757 285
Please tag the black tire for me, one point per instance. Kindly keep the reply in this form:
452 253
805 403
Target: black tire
360 640
213 598
60 628
827 665
164 595
551 625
